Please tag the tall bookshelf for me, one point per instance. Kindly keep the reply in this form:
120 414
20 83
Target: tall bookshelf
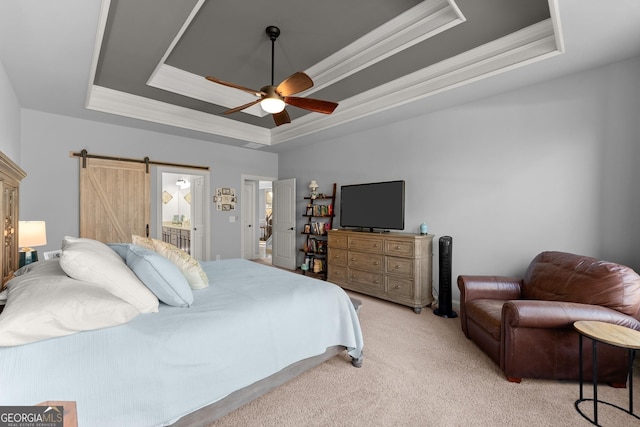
319 212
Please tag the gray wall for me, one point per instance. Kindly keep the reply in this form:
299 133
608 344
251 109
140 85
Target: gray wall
50 190
547 167
9 118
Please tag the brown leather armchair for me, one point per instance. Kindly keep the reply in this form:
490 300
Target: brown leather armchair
526 324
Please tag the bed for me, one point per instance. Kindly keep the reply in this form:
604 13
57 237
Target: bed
186 362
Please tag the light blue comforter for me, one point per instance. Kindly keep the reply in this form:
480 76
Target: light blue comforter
251 322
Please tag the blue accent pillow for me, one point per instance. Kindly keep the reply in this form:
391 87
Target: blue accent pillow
159 274
121 249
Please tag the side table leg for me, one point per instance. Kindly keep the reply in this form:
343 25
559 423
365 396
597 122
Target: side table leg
580 363
632 354
594 349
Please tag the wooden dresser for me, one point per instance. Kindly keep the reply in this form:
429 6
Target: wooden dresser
391 266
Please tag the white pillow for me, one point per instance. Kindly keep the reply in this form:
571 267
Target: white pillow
191 268
94 262
46 303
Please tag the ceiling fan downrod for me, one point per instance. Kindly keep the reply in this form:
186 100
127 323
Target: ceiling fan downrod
273 32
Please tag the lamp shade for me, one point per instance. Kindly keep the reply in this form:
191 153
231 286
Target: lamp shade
32 233
313 184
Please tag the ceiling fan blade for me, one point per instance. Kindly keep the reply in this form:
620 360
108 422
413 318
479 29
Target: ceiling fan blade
242 107
235 86
281 118
316 105
295 83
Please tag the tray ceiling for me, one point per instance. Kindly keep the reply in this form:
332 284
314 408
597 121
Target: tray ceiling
151 57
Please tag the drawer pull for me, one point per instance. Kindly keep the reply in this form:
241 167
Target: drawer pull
396 287
375 282
376 263
376 245
353 259
397 267
398 248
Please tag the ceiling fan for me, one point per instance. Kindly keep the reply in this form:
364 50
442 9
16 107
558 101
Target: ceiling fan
273 98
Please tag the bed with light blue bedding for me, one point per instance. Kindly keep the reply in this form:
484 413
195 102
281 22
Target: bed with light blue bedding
250 323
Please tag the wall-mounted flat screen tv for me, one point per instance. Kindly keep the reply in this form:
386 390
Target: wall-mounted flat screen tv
373 206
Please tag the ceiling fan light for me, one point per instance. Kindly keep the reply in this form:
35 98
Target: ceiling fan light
272 105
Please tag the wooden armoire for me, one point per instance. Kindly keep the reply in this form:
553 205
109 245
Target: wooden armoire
10 176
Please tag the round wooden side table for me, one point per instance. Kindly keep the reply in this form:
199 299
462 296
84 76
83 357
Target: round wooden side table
615 335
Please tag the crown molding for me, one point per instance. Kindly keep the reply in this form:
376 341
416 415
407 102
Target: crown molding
137 107
423 21
534 43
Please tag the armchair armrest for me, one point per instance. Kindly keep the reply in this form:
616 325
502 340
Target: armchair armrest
489 287
485 287
559 314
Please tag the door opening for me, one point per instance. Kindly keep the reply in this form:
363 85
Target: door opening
182 210
256 206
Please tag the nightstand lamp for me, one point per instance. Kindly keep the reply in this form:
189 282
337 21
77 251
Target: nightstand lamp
30 234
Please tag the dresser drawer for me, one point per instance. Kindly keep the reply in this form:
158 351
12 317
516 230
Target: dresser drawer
337 274
365 279
398 266
337 256
398 247
365 244
399 287
337 240
365 261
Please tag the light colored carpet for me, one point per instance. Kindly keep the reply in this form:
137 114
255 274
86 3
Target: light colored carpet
420 370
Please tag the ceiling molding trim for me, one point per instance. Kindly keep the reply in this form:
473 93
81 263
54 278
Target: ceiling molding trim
184 83
534 43
102 24
124 104
178 81
417 24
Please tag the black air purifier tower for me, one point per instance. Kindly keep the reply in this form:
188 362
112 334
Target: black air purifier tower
444 290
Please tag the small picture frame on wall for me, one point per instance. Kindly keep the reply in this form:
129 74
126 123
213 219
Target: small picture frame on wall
225 199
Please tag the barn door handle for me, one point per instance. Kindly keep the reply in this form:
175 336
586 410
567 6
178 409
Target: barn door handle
147 230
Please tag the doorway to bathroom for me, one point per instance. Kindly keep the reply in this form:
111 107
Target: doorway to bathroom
182 217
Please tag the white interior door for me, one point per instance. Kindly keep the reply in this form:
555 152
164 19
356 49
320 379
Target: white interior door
198 218
249 219
284 224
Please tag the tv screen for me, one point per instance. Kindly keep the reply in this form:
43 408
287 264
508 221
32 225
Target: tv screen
377 205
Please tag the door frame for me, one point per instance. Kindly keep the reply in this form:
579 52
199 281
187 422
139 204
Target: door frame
243 226
157 198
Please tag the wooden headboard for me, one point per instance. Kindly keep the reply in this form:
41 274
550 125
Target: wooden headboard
10 176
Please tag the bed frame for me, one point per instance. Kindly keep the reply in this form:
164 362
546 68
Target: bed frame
238 398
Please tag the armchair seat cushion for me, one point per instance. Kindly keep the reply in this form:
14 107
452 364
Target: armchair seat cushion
488 314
